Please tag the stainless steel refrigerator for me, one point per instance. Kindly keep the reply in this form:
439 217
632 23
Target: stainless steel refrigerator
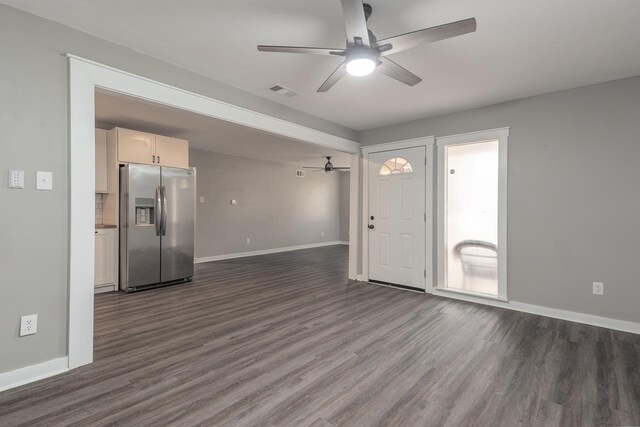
156 226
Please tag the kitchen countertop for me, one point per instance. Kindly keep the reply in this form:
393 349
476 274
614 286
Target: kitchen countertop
102 226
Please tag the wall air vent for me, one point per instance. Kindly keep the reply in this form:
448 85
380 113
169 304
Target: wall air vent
300 173
283 90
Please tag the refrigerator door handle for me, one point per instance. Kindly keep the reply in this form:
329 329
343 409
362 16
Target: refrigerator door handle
164 211
157 208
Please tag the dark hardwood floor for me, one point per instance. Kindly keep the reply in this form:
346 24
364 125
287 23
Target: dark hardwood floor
286 340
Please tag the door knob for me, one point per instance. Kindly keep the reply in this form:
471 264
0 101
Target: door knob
371 227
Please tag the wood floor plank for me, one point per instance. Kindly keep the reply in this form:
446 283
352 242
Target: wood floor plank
286 339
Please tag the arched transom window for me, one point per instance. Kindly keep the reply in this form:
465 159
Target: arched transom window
396 165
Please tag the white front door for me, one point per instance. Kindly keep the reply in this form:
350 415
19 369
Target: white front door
397 217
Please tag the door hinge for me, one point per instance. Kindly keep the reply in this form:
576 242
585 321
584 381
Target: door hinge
425 161
425 274
425 217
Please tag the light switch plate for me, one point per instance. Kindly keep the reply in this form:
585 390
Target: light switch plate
201 199
16 179
44 180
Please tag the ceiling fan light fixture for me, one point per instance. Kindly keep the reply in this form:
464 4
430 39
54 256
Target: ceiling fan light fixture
364 53
361 66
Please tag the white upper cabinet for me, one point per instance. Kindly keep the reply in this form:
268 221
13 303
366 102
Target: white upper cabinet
135 147
102 175
146 148
172 152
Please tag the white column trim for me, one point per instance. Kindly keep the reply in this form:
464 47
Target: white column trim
354 215
81 214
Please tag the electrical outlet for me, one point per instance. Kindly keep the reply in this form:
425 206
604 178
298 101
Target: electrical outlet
28 325
248 241
322 234
598 288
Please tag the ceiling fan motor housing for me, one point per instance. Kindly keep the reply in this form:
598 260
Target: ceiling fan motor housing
362 52
328 167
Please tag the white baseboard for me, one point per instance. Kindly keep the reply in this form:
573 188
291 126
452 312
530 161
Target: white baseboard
33 373
573 316
556 313
99 289
266 251
346 243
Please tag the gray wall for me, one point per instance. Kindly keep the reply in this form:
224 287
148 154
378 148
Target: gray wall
573 198
34 136
344 205
275 208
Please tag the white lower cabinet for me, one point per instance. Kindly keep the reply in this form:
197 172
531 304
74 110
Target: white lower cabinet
105 259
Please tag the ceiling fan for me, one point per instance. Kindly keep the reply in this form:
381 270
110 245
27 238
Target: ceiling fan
328 167
364 53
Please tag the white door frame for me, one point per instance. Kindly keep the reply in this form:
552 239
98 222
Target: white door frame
428 143
502 136
85 77
354 215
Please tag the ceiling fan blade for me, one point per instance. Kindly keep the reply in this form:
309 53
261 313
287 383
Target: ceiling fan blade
312 167
428 35
301 49
395 71
355 22
337 74
342 168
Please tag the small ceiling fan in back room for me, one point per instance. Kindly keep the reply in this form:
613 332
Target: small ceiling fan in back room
328 167
364 53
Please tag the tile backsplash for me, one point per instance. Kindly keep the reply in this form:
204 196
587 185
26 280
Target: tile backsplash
99 206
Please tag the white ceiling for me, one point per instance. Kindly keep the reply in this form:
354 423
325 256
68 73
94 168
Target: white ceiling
207 133
521 48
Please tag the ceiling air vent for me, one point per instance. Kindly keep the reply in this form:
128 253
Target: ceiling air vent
300 173
283 90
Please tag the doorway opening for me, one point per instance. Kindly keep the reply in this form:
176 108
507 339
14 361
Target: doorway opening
472 217
472 203
155 216
87 78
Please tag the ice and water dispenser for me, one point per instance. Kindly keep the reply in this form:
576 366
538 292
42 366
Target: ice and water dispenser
145 212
